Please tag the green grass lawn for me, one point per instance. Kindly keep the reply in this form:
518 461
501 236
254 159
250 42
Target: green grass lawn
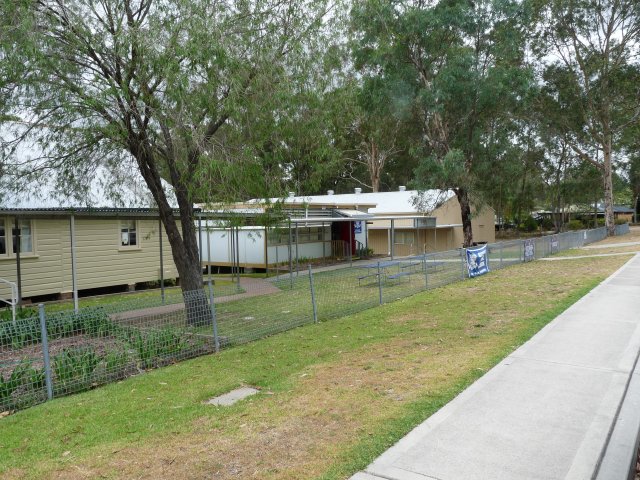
334 395
120 302
577 252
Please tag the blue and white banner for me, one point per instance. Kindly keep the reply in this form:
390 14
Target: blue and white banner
529 250
477 261
357 227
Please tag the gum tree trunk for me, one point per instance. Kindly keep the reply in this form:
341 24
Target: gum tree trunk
609 220
183 240
465 212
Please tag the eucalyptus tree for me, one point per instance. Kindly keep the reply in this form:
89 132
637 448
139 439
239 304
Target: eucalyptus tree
374 134
459 68
634 180
183 91
632 167
591 53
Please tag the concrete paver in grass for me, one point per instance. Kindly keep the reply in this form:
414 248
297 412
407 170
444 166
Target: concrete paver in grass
233 396
544 412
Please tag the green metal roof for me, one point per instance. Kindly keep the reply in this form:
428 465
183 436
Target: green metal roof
85 212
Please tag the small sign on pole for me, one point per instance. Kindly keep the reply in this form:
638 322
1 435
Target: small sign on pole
477 261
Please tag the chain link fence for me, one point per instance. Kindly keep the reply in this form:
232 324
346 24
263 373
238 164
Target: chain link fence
622 229
56 353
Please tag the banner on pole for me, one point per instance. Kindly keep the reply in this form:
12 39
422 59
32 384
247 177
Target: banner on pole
357 227
477 261
529 250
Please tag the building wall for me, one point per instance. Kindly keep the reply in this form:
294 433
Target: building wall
482 223
627 217
423 240
379 241
42 270
216 246
446 238
100 259
439 240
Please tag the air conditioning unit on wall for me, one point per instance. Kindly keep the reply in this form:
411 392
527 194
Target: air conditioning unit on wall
424 222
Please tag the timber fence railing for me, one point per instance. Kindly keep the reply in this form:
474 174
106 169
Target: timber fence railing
56 353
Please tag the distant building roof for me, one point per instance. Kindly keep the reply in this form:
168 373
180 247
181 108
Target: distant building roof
617 209
622 209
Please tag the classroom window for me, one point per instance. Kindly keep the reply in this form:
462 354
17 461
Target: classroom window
128 234
404 238
3 239
305 235
25 233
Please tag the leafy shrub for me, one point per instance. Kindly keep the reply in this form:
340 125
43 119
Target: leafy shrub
23 376
113 365
90 321
34 378
364 252
529 224
621 221
19 334
97 323
73 369
21 312
11 384
575 225
153 345
547 224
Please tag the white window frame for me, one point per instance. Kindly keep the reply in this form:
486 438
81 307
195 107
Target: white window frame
10 250
121 223
404 236
8 238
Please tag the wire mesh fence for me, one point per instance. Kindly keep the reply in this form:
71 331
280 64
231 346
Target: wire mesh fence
622 229
53 353
57 354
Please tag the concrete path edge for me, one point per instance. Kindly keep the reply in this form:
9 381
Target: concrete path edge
618 451
619 456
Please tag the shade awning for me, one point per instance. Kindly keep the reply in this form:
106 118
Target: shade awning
356 214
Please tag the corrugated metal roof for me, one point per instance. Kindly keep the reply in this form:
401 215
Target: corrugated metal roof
407 201
84 212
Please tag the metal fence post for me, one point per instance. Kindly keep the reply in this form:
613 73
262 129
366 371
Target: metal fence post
161 261
45 352
290 257
501 247
212 307
426 276
379 284
313 296
463 254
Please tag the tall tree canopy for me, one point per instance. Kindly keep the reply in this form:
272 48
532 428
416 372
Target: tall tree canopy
187 91
458 66
591 52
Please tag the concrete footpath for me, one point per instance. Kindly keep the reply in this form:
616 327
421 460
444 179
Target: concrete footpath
565 405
